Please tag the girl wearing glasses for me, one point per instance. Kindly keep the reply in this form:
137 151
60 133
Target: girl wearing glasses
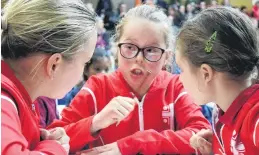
139 108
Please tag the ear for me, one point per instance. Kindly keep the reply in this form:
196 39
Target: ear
53 64
207 73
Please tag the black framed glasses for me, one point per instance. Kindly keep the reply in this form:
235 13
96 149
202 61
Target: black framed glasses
129 51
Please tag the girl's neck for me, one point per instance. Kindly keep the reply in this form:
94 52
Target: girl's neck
142 90
140 93
27 75
228 91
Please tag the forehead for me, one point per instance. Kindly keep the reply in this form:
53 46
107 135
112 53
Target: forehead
144 31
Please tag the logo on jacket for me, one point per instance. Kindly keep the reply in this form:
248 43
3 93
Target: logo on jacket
168 115
237 147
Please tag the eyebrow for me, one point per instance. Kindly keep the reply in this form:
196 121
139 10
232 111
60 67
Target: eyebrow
130 39
153 44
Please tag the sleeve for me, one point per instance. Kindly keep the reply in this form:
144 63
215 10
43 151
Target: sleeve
77 118
188 119
13 142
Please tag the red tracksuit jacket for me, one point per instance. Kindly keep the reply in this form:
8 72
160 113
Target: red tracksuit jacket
237 130
20 132
162 123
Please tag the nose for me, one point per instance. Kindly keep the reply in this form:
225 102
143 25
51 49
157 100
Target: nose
140 57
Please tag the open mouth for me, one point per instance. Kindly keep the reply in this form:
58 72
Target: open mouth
137 72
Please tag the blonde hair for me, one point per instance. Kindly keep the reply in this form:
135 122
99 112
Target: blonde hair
47 26
150 13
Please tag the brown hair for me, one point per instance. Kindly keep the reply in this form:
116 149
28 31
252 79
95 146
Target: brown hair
235 48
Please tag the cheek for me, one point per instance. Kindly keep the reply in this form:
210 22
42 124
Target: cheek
195 91
156 66
74 74
65 80
186 83
124 63
190 84
79 72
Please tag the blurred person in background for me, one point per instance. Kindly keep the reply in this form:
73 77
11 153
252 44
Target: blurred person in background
214 4
189 12
171 14
122 9
203 6
226 3
244 10
120 12
103 39
182 11
162 4
104 9
175 17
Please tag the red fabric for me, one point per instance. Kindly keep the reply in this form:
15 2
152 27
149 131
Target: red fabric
157 137
20 132
237 129
256 12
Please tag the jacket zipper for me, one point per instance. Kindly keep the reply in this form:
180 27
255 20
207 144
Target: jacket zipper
223 147
141 114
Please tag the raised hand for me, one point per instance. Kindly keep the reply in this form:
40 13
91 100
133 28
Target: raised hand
116 110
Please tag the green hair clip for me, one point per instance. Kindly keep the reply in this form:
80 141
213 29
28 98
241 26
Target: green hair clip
209 43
